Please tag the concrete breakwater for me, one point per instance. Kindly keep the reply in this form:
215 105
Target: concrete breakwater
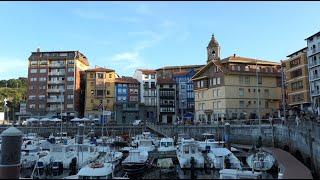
302 141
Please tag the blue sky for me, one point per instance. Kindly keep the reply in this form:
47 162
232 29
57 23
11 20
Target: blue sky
128 35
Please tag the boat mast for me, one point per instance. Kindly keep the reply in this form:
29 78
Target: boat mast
258 97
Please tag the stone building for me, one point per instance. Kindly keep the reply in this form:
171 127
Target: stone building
127 101
166 101
100 92
297 80
148 92
229 88
313 55
55 80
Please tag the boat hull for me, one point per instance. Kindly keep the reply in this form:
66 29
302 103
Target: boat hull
134 168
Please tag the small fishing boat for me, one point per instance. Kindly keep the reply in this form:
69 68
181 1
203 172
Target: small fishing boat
188 154
222 158
166 145
136 162
261 161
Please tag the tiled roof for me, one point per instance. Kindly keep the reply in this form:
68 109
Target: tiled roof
180 73
178 67
127 80
238 59
100 70
318 33
147 71
301 50
165 81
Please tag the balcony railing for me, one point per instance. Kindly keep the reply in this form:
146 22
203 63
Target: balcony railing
56 82
57 73
55 90
57 65
54 109
55 100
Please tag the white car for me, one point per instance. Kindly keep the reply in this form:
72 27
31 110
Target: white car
136 122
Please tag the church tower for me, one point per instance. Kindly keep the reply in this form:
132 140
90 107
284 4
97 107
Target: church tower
213 50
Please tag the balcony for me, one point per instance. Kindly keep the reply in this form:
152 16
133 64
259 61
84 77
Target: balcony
58 65
57 73
54 109
55 90
55 100
56 82
315 92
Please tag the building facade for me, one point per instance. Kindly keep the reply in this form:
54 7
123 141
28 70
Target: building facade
55 80
166 101
185 94
100 92
236 88
148 92
127 101
297 80
167 71
313 55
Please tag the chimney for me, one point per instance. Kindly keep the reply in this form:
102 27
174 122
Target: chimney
38 49
234 55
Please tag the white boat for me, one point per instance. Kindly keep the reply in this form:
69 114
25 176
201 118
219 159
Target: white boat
136 162
208 142
261 161
146 144
113 157
145 135
166 145
30 155
188 154
222 158
94 171
239 174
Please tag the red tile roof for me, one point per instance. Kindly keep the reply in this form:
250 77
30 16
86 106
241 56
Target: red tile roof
100 70
127 80
147 71
165 81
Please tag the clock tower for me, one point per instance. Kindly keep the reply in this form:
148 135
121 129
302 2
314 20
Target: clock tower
213 49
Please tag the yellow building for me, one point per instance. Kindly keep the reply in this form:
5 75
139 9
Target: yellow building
297 80
229 89
100 92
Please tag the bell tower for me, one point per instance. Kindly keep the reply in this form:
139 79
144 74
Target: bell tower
213 50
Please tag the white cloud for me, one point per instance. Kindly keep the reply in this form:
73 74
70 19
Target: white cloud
126 57
12 67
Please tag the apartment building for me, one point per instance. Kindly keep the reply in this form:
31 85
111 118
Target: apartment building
55 80
313 55
127 101
100 92
297 80
185 94
235 87
166 101
148 92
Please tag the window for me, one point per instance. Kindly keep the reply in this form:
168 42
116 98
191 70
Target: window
69 105
42 106
266 105
42 79
108 92
70 96
43 70
241 104
218 80
296 73
241 92
296 85
33 79
32 106
33 63
110 75
100 75
294 62
42 97
146 76
70 78
99 92
33 70
259 80
266 92
91 75
31 87
32 97
241 79
247 79
69 86
153 85
218 92
70 69
153 76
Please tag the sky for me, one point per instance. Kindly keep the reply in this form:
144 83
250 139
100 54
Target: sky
129 35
